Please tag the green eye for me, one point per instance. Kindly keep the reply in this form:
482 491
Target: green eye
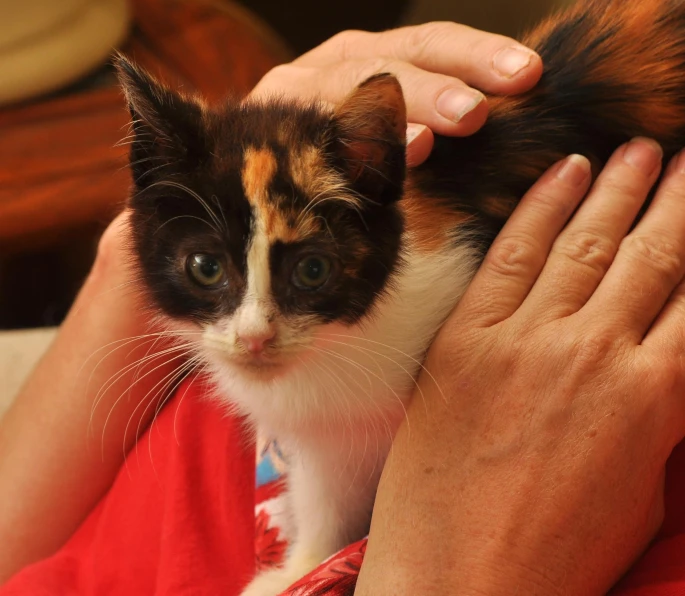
312 272
205 270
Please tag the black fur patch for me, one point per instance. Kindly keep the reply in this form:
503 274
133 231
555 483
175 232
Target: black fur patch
190 198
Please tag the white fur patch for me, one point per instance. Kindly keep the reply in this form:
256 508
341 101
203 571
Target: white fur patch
252 316
353 379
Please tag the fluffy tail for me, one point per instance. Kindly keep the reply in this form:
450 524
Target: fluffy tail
613 69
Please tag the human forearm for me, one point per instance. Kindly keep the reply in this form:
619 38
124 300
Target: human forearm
55 460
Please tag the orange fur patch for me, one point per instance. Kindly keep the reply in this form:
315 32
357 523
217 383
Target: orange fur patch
317 179
497 207
641 47
259 169
430 223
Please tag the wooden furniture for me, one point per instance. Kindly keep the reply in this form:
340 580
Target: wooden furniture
60 165
63 170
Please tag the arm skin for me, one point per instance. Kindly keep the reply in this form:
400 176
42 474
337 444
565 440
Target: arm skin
542 472
55 465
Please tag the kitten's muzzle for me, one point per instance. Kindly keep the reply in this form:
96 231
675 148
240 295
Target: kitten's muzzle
255 343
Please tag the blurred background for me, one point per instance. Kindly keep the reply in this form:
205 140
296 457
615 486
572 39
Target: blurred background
63 172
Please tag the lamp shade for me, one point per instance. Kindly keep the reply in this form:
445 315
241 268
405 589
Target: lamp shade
46 44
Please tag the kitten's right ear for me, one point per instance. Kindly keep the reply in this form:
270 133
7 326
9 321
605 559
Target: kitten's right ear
369 132
167 126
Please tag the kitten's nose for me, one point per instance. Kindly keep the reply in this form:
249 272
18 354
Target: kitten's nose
255 341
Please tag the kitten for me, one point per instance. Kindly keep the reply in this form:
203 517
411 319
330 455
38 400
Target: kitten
318 270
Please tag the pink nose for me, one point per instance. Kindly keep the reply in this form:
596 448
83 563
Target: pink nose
255 343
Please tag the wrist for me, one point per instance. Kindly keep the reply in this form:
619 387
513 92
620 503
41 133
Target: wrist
482 527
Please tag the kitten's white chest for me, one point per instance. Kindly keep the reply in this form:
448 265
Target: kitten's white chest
337 415
358 377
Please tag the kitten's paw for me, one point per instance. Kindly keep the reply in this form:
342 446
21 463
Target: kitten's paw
274 581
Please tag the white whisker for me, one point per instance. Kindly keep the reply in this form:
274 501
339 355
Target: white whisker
217 223
430 375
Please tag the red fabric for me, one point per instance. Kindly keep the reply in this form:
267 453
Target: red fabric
179 520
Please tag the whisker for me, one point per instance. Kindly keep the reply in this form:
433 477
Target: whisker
338 387
382 380
217 202
366 433
126 340
382 418
165 393
123 343
369 351
111 410
204 221
144 400
193 194
180 401
430 375
120 374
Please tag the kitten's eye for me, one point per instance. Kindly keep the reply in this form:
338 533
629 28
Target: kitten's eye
311 272
206 270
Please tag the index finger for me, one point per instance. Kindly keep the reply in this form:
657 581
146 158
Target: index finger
489 62
519 252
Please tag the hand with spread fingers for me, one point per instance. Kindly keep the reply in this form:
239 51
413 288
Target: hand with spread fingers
564 369
443 68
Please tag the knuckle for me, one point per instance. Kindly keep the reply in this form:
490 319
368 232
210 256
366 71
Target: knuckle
551 195
663 378
427 33
588 249
656 252
111 247
669 378
423 39
622 181
344 43
513 256
592 350
377 65
283 75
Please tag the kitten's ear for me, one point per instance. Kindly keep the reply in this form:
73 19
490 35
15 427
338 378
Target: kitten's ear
167 126
370 130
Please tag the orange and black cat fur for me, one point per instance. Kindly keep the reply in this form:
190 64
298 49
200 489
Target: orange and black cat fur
308 270
613 69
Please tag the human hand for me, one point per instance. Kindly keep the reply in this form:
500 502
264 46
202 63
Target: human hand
542 471
442 67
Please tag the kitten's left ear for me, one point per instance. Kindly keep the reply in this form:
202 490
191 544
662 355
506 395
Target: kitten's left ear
167 126
369 131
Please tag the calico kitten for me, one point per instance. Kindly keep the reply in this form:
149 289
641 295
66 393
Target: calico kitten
318 270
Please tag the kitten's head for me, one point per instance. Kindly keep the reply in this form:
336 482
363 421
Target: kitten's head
261 222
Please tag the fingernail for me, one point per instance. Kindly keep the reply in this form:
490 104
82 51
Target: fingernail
454 104
574 170
643 154
508 62
413 131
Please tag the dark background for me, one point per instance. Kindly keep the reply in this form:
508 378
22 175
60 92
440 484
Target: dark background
306 23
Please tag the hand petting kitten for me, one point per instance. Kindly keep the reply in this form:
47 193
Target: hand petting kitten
442 67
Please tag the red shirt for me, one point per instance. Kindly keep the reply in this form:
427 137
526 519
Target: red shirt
180 520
